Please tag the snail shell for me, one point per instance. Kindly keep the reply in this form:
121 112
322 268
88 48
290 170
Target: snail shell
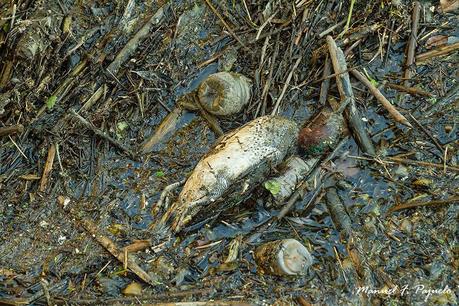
322 133
283 257
224 93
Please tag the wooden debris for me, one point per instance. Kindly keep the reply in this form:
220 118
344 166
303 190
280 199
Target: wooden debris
381 98
131 46
47 168
410 90
422 163
448 100
426 132
412 162
101 134
345 89
412 42
226 24
413 204
325 86
449 5
12 129
442 50
138 245
337 211
106 242
133 289
167 125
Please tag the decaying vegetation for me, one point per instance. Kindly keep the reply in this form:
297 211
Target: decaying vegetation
109 111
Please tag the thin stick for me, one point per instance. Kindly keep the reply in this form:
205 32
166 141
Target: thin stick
287 83
453 200
48 168
17 147
442 50
392 160
101 134
345 89
428 134
167 125
422 163
325 86
410 90
132 45
225 24
447 100
381 98
107 243
412 43
331 29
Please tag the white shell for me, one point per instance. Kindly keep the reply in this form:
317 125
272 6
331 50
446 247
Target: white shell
224 93
293 258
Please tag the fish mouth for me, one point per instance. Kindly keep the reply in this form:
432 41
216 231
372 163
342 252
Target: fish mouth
180 214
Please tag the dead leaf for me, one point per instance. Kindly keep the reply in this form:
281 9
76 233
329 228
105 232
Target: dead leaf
133 289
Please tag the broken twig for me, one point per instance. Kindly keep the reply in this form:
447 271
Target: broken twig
48 168
12 129
381 98
413 204
101 134
413 42
345 89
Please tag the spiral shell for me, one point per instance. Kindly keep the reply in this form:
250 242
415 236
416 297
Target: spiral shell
224 93
283 257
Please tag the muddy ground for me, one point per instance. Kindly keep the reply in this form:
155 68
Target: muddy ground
123 66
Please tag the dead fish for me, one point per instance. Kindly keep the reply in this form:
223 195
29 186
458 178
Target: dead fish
224 93
237 163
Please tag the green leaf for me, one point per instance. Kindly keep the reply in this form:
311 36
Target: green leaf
51 101
159 173
273 186
121 126
374 82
